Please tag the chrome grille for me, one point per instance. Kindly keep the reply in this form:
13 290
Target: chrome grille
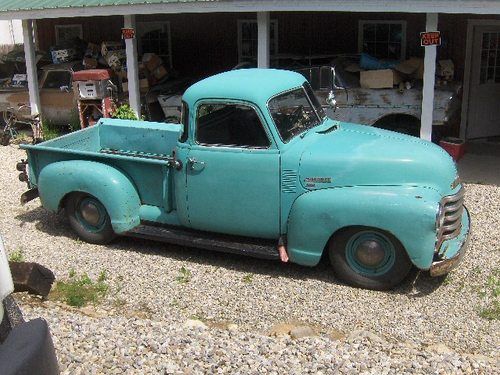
450 217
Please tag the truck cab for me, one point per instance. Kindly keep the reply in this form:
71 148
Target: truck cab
257 167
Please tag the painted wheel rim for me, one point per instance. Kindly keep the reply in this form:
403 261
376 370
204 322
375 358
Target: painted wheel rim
370 253
91 214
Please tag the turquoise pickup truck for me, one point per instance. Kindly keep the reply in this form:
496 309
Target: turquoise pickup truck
256 168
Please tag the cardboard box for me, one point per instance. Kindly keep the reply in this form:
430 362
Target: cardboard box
63 55
413 67
107 47
446 69
89 63
379 79
160 72
151 61
143 85
115 59
92 50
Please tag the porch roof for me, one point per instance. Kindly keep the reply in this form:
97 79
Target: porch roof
35 9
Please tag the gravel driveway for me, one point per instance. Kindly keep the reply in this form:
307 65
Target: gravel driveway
227 315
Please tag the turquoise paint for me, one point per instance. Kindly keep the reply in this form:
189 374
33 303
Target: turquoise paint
333 176
355 155
109 185
316 215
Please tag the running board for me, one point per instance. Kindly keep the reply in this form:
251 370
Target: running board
264 249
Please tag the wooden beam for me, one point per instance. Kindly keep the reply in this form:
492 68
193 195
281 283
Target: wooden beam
376 6
429 81
31 70
263 39
134 95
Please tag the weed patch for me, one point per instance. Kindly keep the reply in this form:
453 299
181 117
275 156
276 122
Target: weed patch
17 256
184 275
491 294
248 278
80 290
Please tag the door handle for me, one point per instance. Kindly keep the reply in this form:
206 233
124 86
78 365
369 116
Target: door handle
192 162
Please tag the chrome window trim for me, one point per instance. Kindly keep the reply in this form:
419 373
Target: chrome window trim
286 92
234 147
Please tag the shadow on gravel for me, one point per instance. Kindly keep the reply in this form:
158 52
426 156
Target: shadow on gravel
417 284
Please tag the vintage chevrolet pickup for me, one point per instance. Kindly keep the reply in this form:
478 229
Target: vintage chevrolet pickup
257 168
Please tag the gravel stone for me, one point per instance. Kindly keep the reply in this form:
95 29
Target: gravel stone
140 325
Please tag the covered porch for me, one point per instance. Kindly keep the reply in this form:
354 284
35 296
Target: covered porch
203 26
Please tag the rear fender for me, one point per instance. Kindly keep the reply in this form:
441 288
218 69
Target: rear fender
111 186
409 213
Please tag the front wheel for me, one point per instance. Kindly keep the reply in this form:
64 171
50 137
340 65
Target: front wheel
368 258
89 219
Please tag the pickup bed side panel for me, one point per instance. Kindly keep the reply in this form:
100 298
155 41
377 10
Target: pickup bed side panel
111 186
408 213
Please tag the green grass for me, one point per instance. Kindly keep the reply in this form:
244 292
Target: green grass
248 278
491 293
184 275
78 291
492 312
17 256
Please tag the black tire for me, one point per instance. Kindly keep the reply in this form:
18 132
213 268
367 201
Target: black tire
100 233
345 259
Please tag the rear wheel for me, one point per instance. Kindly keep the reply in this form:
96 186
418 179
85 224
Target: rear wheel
88 218
368 258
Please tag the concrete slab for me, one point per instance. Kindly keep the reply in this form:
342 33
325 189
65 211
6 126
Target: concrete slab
481 163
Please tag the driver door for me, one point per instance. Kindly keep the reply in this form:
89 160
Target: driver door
233 183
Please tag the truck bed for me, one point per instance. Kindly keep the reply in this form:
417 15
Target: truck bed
138 148
119 137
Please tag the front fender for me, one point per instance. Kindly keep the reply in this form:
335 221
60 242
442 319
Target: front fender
409 213
108 184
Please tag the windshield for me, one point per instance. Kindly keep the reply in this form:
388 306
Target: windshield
295 112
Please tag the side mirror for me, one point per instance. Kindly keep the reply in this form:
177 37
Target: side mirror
331 100
337 82
64 88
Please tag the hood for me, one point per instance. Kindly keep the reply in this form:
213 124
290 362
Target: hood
354 155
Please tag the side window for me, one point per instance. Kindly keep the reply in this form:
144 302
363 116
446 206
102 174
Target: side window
230 125
184 122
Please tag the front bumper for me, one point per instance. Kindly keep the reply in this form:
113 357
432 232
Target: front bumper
456 250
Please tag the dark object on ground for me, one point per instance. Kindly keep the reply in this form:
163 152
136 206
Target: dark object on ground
32 278
27 348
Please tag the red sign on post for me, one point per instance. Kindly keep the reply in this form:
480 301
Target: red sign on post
430 38
128 33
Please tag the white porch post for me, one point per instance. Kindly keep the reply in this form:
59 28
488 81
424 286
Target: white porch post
134 95
31 71
429 81
263 39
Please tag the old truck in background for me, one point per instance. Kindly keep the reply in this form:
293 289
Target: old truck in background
257 168
58 101
398 109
